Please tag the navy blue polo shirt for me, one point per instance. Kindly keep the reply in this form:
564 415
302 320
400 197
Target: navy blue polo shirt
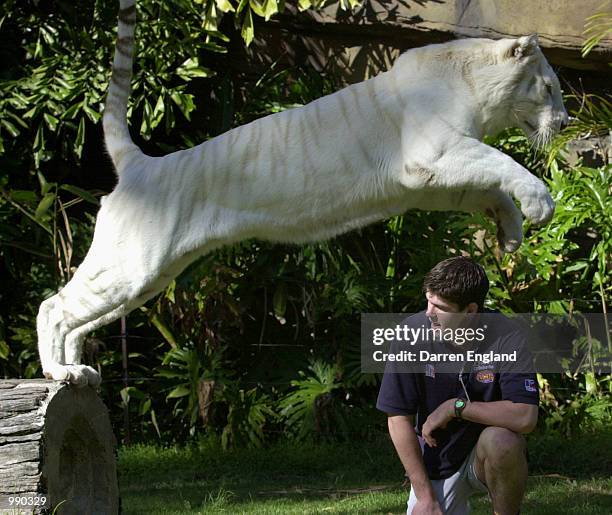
421 393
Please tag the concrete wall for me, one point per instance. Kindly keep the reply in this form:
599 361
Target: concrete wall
358 45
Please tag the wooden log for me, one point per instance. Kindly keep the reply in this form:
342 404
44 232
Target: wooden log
56 442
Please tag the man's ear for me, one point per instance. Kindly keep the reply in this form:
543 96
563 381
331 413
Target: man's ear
525 46
472 307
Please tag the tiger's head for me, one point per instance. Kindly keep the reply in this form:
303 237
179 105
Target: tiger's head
525 89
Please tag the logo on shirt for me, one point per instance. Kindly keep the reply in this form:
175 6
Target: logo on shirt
485 376
430 371
530 385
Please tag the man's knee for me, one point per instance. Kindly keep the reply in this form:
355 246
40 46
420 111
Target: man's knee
501 447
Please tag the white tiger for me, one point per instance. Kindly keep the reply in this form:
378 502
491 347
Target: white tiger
408 138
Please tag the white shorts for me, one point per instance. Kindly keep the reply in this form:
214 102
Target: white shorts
453 493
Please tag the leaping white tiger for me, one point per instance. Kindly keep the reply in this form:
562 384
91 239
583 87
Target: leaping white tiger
407 138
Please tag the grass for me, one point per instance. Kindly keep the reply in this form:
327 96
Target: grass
566 477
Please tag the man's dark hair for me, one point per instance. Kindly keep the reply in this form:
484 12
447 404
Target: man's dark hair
459 280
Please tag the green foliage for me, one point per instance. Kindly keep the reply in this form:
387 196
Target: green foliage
574 404
592 119
565 261
311 408
597 27
60 84
52 99
189 373
49 213
55 97
249 412
280 89
39 240
564 264
144 405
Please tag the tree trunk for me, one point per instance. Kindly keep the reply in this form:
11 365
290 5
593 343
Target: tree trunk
56 442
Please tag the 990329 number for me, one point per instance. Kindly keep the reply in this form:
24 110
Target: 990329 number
26 500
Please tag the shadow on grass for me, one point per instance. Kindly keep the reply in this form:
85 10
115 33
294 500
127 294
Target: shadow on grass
364 477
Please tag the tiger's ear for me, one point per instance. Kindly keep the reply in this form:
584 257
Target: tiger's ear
525 46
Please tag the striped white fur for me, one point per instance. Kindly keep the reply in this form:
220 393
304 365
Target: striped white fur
408 138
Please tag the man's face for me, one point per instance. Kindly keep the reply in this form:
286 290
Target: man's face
444 314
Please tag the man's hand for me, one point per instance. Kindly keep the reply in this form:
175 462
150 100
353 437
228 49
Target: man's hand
438 418
427 508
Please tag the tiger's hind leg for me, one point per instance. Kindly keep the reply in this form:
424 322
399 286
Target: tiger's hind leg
92 299
73 307
96 295
74 342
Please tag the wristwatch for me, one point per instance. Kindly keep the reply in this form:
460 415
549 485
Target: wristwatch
460 405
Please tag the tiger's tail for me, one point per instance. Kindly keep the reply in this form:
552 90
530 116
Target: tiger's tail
116 133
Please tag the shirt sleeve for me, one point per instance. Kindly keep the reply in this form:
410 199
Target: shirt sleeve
398 394
518 380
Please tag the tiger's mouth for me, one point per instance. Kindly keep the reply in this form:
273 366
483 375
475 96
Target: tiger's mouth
541 135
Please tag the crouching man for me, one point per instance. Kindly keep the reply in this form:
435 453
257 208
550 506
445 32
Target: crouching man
467 436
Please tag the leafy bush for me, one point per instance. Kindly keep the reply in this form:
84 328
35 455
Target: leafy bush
249 412
195 376
311 408
575 404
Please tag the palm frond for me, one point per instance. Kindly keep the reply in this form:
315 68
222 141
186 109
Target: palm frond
597 28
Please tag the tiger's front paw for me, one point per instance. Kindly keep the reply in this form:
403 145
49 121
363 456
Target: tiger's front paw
509 227
536 203
506 242
79 375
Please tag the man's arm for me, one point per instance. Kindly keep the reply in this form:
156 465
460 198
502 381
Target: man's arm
401 429
516 416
